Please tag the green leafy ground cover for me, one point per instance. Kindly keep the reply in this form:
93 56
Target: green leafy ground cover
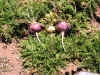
48 56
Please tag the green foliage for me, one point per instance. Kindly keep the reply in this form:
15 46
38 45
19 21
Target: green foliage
48 56
36 10
77 12
15 13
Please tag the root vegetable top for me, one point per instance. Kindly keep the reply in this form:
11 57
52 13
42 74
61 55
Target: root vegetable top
35 27
62 26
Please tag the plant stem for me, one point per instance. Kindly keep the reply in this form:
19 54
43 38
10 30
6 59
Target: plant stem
37 37
62 33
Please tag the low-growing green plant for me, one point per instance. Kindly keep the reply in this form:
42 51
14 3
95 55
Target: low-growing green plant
8 18
14 12
48 56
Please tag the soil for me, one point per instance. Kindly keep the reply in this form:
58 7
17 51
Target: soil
10 64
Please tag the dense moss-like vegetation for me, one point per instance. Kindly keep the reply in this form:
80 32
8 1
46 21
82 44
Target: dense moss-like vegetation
48 56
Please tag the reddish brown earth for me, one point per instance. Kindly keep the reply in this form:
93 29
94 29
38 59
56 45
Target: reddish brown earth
9 56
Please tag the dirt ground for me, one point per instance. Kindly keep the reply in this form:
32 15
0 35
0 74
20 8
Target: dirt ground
10 64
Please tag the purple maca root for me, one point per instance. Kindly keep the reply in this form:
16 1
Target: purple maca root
35 27
62 27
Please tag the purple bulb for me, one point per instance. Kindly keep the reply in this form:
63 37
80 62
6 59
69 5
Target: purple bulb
35 27
62 26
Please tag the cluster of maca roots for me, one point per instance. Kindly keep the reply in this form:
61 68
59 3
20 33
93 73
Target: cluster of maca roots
61 26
